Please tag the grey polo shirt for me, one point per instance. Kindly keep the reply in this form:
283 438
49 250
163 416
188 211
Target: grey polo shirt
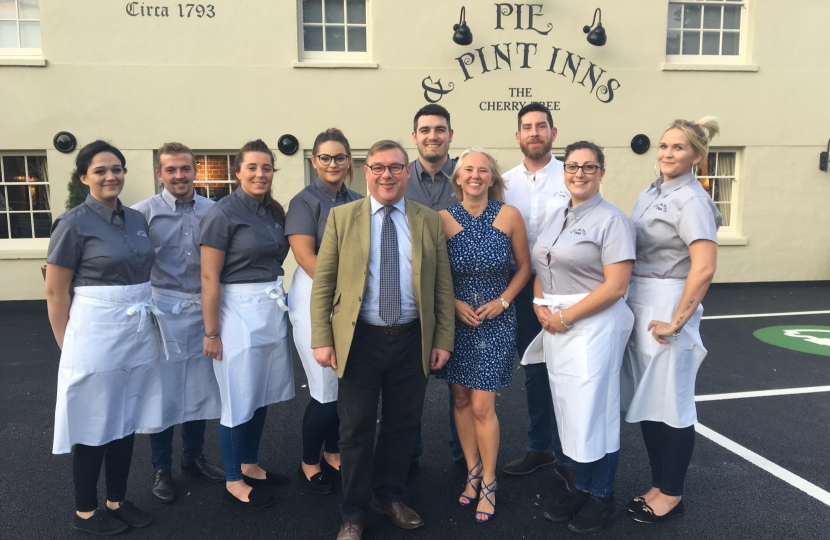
174 232
105 247
254 244
436 193
668 218
309 209
595 234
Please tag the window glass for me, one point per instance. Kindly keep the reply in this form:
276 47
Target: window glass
25 203
704 28
334 26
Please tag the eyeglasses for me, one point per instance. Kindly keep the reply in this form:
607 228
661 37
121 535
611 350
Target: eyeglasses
339 159
588 168
377 169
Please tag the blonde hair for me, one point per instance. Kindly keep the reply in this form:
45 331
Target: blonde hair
496 191
700 133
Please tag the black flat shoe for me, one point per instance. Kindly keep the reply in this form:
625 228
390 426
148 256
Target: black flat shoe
101 523
257 498
328 469
645 514
318 483
132 515
201 467
634 504
271 479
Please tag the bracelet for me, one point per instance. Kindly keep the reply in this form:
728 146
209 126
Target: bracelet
562 320
214 336
674 335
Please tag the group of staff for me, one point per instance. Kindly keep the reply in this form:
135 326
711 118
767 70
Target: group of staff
173 312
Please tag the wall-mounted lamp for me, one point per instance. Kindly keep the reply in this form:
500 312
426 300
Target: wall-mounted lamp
65 142
597 35
462 35
288 144
823 158
640 144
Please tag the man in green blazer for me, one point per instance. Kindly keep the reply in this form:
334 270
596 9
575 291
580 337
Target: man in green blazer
382 316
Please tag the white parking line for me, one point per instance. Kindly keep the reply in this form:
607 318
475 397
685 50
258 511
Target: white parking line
765 464
764 393
753 315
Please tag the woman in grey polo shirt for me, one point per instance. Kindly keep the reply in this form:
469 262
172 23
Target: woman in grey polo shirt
304 226
109 382
246 331
677 233
583 258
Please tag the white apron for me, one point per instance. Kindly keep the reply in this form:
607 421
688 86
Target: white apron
322 382
109 379
584 372
658 381
255 369
189 387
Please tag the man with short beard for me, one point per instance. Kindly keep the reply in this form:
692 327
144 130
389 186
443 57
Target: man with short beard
429 184
536 187
189 388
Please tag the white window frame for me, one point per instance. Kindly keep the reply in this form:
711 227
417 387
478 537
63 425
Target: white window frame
5 214
732 229
333 56
743 48
20 51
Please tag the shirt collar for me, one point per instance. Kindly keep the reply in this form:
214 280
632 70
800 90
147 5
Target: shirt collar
447 169
252 204
674 185
579 211
172 200
400 205
102 209
328 191
543 170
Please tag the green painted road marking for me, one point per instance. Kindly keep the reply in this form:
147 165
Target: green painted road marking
802 338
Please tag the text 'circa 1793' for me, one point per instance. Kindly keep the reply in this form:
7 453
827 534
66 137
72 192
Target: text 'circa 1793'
184 11
518 55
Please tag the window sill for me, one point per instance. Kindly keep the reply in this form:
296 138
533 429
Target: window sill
733 241
335 65
22 61
676 66
34 248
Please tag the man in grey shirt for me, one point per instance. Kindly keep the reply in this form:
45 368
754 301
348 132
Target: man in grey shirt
189 387
430 185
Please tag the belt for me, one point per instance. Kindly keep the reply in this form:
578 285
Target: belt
393 330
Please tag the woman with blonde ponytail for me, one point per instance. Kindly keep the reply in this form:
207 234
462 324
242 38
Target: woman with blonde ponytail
677 232
304 226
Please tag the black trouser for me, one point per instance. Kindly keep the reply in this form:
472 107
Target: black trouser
387 366
670 452
86 467
321 428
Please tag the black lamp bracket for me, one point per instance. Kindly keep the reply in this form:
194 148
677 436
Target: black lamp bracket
597 12
823 158
462 20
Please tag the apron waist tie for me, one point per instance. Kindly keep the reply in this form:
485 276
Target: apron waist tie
143 308
275 293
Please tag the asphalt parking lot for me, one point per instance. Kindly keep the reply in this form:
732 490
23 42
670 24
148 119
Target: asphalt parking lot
761 468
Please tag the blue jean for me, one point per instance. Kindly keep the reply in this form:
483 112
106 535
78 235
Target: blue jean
240 444
193 441
597 477
455 444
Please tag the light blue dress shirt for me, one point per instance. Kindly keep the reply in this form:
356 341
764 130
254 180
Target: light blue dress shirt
369 308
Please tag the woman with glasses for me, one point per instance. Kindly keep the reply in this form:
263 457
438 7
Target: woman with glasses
246 329
109 378
583 258
677 251
304 227
483 234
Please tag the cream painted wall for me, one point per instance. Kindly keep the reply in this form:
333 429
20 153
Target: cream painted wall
216 83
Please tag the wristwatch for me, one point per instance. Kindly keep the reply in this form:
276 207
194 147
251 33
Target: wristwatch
504 303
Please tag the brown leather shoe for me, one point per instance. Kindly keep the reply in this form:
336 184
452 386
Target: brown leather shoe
530 462
566 474
402 515
350 531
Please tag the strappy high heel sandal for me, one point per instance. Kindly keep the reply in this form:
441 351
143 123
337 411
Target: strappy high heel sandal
486 491
472 475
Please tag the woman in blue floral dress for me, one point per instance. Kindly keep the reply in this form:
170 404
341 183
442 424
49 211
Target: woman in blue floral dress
482 234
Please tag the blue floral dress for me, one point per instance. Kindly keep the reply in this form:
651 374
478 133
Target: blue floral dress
480 261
